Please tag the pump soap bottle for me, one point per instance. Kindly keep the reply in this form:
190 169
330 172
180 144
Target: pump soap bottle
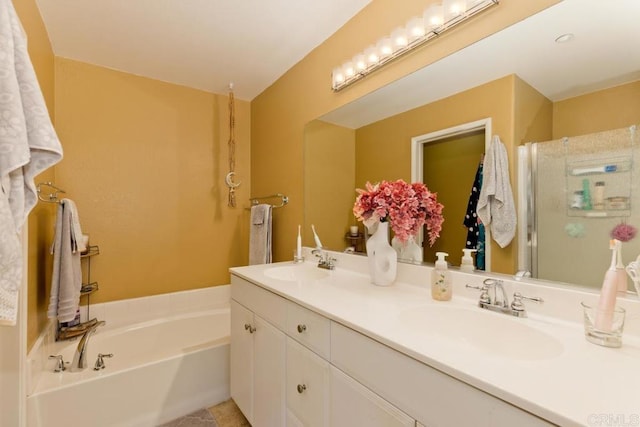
467 261
441 279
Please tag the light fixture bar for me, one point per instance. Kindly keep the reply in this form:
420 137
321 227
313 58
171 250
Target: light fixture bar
418 31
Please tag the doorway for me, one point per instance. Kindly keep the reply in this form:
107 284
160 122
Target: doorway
447 162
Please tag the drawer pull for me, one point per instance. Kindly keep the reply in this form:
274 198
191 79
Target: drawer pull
248 327
301 388
302 328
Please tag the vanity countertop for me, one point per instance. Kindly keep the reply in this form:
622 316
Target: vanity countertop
549 370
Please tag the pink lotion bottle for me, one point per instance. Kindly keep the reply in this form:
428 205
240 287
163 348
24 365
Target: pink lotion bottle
607 301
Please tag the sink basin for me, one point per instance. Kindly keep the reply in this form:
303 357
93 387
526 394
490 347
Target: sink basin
294 273
496 333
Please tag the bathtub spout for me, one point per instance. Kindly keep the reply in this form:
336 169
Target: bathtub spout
80 357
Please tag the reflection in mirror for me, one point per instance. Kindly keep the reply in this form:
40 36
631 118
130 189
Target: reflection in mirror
581 189
581 87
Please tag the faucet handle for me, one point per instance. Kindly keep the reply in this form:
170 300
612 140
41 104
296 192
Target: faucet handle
484 296
59 363
100 362
517 305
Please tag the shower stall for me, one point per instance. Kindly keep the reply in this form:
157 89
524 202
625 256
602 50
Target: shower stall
572 192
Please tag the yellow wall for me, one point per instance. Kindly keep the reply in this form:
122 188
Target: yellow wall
606 109
281 112
329 183
41 219
145 163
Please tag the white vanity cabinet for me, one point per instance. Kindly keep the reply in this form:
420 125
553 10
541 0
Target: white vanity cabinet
299 368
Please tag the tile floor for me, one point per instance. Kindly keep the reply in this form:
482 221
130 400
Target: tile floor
225 414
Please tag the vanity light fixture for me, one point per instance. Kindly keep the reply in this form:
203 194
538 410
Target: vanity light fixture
436 19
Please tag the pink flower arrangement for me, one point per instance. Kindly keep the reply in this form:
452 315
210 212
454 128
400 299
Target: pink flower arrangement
407 207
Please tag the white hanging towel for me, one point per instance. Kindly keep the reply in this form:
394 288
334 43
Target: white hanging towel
496 207
260 235
10 264
66 280
28 145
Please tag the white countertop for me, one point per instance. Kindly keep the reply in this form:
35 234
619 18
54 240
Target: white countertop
569 382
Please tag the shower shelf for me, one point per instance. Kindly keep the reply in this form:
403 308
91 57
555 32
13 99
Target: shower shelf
66 331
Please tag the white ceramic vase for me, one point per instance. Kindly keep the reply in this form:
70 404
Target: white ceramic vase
383 259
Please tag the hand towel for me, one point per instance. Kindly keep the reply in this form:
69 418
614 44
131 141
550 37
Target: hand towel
28 145
260 235
66 282
496 207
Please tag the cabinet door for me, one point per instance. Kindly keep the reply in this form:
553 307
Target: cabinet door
268 375
307 387
353 404
242 359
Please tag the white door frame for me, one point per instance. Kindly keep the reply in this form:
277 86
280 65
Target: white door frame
417 164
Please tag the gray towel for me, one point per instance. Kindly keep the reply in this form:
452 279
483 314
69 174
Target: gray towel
260 235
495 203
66 282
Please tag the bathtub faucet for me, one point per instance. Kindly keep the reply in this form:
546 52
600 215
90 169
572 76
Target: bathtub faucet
80 357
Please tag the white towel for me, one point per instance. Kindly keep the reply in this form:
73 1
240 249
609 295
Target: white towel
10 264
28 144
260 235
66 280
495 203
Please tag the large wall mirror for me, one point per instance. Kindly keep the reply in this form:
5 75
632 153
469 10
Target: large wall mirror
532 83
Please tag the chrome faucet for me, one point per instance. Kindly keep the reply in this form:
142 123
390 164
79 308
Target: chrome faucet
325 260
494 297
80 357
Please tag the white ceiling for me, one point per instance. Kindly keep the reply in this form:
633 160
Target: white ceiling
204 44
605 52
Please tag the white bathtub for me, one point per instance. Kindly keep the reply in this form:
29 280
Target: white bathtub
161 369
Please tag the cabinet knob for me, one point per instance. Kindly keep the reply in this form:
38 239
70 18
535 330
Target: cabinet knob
302 328
301 388
248 327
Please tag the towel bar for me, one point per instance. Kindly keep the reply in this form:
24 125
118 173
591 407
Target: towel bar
284 200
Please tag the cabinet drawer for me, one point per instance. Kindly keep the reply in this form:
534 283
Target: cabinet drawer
309 328
307 386
430 396
352 404
265 304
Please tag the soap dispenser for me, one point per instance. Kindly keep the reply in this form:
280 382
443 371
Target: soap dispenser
441 279
467 261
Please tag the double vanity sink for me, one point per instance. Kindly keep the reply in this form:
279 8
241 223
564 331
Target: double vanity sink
537 370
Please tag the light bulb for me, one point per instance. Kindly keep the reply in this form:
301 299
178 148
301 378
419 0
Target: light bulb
359 63
433 17
399 38
453 9
371 56
337 77
415 28
384 47
348 70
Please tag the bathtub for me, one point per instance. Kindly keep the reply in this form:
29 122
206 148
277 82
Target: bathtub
162 369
